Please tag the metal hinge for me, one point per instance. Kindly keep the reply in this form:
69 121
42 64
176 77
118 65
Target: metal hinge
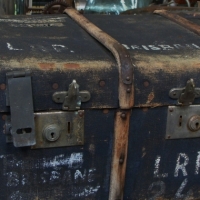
185 95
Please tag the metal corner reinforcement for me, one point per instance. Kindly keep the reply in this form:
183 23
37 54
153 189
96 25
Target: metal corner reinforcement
125 66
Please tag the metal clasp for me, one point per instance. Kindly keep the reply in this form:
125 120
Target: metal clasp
72 98
20 125
185 95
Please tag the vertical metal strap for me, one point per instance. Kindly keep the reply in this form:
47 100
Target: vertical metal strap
120 150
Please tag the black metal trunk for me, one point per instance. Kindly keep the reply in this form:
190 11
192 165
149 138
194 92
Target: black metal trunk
98 135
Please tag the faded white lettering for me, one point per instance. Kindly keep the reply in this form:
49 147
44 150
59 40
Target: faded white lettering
161 186
10 47
197 163
126 46
12 179
196 46
145 47
91 175
58 47
156 169
181 166
166 47
180 190
55 176
153 47
135 47
79 177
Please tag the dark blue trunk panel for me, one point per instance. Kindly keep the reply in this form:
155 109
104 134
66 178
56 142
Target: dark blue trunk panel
159 168
81 172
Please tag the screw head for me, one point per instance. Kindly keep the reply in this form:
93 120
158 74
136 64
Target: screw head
123 115
128 90
55 86
81 113
171 109
128 78
121 161
102 83
146 83
2 86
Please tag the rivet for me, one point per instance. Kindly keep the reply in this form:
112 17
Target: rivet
146 83
123 115
2 86
105 111
128 78
102 83
171 109
168 136
55 86
4 117
128 90
121 161
145 109
81 113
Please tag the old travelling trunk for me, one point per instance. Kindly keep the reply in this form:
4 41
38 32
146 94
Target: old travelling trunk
84 117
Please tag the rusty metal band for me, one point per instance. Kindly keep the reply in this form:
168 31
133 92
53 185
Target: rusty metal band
120 53
120 151
180 20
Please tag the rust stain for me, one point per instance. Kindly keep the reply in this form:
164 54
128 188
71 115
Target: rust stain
71 66
47 66
150 97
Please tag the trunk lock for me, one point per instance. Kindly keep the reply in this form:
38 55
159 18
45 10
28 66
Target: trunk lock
43 129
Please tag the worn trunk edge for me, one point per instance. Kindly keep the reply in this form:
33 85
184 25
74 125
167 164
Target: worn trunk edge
120 148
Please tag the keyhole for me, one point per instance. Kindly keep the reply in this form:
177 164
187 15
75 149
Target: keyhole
52 135
69 127
180 120
197 125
